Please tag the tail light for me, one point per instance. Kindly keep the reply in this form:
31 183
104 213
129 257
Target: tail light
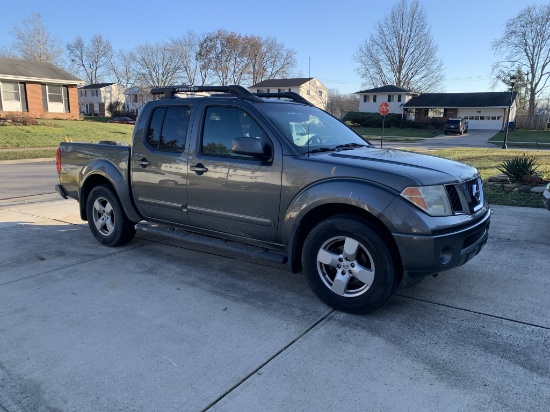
58 160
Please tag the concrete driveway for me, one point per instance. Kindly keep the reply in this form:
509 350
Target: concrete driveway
158 326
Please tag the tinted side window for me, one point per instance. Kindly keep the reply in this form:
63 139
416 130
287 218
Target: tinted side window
155 127
168 128
222 125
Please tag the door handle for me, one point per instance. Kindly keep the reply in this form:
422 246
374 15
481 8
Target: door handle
144 163
199 169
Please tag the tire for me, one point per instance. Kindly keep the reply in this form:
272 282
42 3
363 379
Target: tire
348 265
106 218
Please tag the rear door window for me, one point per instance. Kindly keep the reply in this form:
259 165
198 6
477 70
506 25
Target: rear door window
168 128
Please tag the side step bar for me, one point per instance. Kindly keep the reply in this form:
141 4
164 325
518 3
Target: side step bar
211 242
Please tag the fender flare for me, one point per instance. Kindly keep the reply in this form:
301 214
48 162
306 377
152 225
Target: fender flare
120 183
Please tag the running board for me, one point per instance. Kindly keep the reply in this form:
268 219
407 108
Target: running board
212 242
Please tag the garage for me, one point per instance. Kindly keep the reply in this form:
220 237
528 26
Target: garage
483 111
483 118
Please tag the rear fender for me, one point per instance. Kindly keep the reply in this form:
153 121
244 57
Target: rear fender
100 171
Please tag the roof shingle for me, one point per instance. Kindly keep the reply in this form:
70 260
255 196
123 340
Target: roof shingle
34 70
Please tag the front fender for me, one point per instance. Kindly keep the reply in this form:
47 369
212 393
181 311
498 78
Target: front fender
116 177
332 196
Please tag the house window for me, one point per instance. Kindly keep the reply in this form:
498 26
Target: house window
390 97
364 98
281 90
260 91
289 89
55 98
374 98
399 98
268 91
13 97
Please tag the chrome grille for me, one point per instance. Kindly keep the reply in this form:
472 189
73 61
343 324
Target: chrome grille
467 197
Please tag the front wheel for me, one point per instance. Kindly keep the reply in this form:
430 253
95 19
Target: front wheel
349 265
106 218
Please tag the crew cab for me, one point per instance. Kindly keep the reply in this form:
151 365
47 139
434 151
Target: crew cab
289 181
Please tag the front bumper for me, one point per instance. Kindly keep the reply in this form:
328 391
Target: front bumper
424 255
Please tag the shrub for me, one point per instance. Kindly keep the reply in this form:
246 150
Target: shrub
372 119
21 119
519 166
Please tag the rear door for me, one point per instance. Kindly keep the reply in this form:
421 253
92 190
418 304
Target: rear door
159 166
229 193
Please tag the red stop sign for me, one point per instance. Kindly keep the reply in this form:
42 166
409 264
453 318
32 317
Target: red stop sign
384 108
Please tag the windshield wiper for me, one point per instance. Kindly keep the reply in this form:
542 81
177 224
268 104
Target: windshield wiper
321 149
349 146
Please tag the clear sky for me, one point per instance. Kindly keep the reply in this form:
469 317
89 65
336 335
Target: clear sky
325 34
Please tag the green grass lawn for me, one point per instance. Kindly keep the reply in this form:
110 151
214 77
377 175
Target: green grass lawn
523 138
48 133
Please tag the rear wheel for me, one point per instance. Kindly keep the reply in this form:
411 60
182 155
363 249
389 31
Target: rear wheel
106 218
348 265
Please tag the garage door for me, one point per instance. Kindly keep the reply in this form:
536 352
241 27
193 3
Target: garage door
485 124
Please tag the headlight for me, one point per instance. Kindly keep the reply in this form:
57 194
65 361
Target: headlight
431 199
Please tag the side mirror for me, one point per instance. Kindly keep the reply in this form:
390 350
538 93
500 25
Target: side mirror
249 146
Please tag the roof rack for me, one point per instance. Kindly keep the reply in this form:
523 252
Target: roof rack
237 91
289 95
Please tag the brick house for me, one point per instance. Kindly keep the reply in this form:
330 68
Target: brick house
309 88
38 89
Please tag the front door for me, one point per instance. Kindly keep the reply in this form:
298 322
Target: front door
231 193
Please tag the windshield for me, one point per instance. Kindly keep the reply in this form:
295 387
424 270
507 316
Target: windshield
309 128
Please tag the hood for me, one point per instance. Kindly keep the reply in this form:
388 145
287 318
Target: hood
424 169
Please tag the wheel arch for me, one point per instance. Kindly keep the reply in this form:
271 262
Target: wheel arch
359 201
105 173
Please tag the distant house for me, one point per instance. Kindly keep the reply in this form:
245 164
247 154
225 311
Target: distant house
308 87
134 99
38 89
95 98
396 97
485 110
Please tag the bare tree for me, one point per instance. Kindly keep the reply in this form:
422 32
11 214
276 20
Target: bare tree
269 59
123 70
158 65
339 104
401 51
34 42
525 45
92 59
189 46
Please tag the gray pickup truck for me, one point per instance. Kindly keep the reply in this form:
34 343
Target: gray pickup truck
286 181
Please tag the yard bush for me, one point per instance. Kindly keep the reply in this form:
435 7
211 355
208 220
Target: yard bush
372 119
392 120
518 167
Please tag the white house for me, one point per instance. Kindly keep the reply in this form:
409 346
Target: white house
483 110
134 99
396 97
95 98
309 88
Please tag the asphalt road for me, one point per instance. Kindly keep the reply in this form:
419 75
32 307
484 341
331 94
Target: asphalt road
24 178
157 325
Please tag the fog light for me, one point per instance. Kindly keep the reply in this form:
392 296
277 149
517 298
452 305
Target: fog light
446 255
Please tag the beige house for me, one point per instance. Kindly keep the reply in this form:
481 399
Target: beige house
135 98
309 88
38 89
95 98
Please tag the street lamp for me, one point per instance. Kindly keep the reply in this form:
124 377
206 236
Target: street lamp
513 79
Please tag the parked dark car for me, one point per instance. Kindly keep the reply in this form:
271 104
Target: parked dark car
459 126
123 120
